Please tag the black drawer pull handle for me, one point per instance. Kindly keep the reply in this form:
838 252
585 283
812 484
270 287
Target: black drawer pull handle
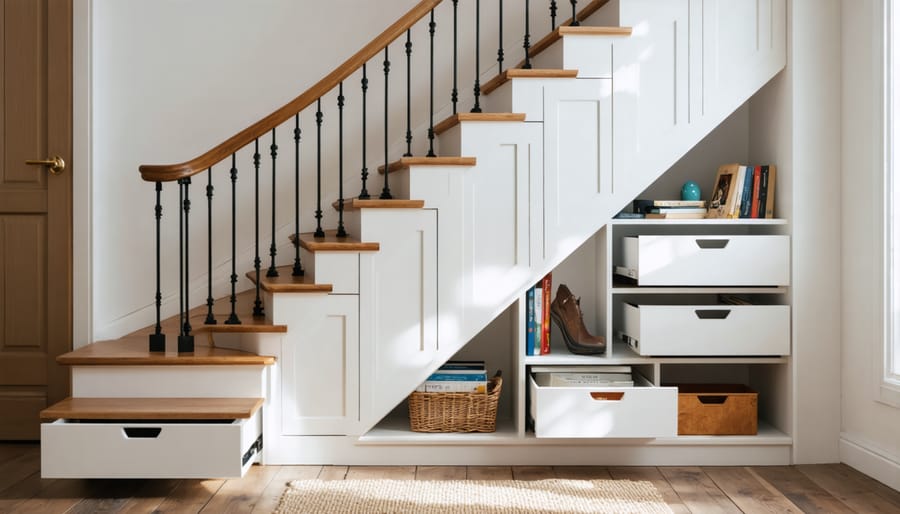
712 244
142 432
712 399
712 313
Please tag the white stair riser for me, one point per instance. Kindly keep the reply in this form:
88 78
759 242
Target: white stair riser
592 56
340 269
168 381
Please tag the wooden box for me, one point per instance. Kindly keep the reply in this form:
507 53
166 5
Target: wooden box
716 409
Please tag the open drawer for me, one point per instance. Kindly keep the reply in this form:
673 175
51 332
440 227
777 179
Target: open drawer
641 410
146 448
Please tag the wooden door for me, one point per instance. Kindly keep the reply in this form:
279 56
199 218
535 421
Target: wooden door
35 210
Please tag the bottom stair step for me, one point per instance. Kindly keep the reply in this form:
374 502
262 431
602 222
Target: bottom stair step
151 437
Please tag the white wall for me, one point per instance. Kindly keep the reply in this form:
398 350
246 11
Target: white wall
870 438
170 79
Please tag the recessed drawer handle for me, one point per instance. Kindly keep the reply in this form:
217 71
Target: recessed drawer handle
712 399
142 432
712 244
712 313
609 397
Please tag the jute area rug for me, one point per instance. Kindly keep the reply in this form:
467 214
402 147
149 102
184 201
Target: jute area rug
471 496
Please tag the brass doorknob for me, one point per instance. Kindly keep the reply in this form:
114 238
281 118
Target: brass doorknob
56 164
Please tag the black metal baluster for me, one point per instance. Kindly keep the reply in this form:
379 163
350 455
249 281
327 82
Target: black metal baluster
298 267
500 48
409 136
186 341
181 310
319 232
340 230
273 250
431 26
386 190
574 14
364 172
526 44
477 88
157 338
552 15
257 303
210 319
233 317
454 93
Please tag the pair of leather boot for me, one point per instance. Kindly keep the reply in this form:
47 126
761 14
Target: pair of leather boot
566 313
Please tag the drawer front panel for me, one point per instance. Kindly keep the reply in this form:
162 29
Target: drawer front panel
603 412
709 330
148 450
708 260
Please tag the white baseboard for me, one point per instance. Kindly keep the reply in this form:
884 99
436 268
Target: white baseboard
868 458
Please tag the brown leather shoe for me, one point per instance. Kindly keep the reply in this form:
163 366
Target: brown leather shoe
566 313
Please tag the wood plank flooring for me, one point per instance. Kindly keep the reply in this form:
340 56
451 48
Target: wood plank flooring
830 488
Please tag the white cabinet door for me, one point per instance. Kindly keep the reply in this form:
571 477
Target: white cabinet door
320 365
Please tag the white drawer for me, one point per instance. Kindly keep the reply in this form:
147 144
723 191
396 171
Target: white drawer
597 412
709 260
124 449
708 330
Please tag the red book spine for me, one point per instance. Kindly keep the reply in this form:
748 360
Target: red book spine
754 209
545 323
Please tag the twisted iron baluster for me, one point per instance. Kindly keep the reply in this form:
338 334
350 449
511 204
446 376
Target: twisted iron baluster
477 88
340 230
364 194
233 317
273 250
298 267
210 319
257 303
157 338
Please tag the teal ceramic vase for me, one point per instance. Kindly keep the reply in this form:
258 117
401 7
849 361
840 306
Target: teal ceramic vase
690 191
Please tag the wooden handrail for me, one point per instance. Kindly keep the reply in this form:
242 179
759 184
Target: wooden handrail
170 172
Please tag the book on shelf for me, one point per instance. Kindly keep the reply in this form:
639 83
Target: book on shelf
462 365
677 215
679 210
737 192
770 193
529 321
746 193
754 207
457 377
679 203
547 286
629 215
538 317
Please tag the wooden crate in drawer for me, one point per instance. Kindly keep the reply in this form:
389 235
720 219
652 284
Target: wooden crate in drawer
717 409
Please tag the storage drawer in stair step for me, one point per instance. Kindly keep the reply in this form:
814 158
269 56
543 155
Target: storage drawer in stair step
757 260
171 448
639 411
707 330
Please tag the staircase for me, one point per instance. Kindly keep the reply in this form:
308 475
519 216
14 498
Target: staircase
591 116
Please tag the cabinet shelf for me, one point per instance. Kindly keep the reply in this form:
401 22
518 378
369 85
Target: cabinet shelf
621 354
395 430
632 289
712 221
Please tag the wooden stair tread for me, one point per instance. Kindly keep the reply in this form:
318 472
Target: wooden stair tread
455 119
406 162
152 408
560 31
287 283
352 204
221 312
502 78
133 351
332 243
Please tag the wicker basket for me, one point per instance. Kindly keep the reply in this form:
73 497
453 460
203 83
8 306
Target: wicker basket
455 412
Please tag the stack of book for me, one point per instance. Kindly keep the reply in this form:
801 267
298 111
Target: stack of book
537 317
457 377
742 191
666 209
584 376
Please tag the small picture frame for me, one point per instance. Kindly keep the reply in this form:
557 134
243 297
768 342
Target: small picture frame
721 203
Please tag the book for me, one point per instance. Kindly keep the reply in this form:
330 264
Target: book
456 377
547 285
754 209
747 193
529 322
679 203
737 192
629 215
591 379
770 197
666 210
678 215
538 316
763 190
722 201
465 365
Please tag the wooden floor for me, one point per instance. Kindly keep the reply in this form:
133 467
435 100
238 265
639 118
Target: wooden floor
832 488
